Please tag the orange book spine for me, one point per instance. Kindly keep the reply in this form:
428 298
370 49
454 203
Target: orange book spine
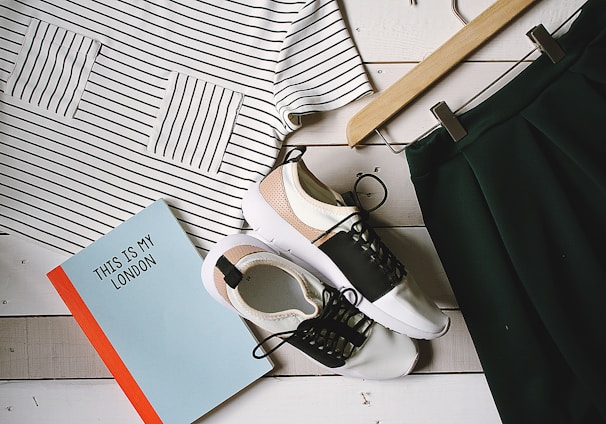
99 340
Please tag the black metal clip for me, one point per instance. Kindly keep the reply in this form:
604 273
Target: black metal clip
548 45
449 121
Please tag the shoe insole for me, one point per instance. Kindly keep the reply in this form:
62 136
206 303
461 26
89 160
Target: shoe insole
270 289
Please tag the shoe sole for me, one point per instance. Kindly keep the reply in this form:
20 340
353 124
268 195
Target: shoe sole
283 237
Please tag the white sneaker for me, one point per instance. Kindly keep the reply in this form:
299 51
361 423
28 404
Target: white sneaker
243 274
307 220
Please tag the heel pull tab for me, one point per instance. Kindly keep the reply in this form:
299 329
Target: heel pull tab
232 275
546 43
449 121
289 156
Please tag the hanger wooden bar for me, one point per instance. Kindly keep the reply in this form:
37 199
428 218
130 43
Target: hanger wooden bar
393 99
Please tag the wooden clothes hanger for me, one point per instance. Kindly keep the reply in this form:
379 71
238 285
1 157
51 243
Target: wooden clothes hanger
443 60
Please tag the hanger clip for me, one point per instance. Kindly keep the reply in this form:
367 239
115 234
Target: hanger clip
449 121
548 45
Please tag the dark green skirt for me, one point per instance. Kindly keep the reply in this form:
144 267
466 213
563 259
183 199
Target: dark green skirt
517 212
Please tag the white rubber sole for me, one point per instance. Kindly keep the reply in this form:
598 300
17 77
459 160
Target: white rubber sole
347 372
283 237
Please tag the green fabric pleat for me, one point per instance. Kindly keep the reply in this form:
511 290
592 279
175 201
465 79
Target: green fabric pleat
517 212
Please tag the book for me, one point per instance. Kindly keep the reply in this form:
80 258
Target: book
138 295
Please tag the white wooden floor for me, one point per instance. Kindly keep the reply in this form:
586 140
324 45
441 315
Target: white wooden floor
49 373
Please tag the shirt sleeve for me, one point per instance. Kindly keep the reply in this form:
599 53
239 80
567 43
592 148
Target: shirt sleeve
319 67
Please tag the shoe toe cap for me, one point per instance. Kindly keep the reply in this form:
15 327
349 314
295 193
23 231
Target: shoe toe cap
421 317
385 355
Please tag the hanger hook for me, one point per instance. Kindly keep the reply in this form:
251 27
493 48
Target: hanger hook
455 10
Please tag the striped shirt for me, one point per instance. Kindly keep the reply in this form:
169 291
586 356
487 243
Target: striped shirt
108 105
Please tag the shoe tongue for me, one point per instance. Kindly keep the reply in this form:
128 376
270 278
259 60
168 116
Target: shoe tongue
349 198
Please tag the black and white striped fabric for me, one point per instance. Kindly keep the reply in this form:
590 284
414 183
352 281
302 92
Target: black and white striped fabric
108 105
53 68
195 122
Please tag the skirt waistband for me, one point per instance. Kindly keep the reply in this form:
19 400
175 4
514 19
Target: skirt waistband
437 147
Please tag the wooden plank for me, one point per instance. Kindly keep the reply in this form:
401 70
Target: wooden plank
455 399
394 31
23 264
386 32
56 347
24 289
47 347
14 358
339 167
60 402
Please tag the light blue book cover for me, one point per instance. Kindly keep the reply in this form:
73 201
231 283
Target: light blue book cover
141 285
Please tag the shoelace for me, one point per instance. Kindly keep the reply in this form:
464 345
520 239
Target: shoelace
337 332
367 239
377 252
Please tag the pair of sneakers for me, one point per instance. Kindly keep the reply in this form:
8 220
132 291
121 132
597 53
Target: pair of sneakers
327 285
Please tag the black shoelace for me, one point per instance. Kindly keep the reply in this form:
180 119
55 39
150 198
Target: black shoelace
331 337
367 239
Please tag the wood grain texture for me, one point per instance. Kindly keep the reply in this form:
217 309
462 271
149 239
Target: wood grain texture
56 347
40 341
26 291
437 65
393 31
455 399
